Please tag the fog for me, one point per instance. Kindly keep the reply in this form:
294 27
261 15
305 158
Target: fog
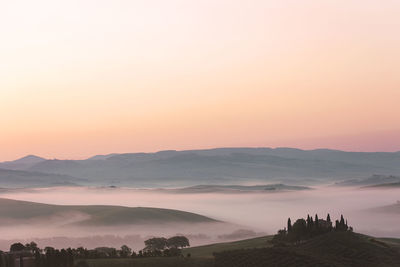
262 213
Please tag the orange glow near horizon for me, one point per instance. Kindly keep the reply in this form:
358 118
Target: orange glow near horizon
79 78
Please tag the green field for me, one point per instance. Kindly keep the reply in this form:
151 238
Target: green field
332 249
152 262
201 256
208 250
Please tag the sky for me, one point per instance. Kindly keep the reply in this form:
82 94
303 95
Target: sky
79 78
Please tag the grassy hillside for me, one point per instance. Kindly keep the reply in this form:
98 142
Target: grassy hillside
208 250
152 262
335 249
96 215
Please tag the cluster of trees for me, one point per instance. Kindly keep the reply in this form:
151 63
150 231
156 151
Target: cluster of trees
51 257
160 246
31 253
306 228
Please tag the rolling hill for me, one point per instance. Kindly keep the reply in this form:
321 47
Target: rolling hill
208 251
334 249
20 212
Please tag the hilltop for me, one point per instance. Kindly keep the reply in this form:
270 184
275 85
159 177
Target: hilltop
334 249
15 212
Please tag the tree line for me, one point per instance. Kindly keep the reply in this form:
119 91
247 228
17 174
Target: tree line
70 257
307 228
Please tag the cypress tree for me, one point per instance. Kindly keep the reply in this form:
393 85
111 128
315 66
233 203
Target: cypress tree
342 224
328 218
316 220
289 225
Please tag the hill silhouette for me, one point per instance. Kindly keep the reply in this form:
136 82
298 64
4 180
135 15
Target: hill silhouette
15 211
22 163
334 249
21 179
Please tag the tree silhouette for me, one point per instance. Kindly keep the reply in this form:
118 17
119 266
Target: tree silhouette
178 242
125 251
17 247
155 243
289 225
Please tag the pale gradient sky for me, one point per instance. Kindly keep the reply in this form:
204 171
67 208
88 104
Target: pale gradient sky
79 78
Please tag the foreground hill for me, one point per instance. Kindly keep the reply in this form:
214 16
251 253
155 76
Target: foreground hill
335 249
208 251
19 212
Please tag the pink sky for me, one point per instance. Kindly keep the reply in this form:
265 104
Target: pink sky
79 78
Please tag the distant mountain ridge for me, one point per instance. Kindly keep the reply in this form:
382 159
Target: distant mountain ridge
223 166
22 163
21 179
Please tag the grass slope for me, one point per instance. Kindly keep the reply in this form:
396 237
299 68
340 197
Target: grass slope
336 249
97 215
152 262
332 249
208 250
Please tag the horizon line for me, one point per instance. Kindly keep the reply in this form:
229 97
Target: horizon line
202 149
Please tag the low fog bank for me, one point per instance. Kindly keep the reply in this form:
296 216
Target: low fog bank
254 211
